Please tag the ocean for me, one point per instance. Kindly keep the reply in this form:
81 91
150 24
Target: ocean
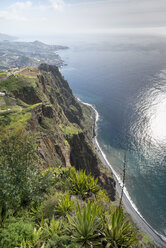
124 78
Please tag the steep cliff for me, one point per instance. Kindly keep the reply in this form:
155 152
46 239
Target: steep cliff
42 101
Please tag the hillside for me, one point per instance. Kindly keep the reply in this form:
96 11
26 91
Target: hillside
20 54
7 37
46 130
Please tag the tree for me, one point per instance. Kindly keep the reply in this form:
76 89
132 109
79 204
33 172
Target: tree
18 169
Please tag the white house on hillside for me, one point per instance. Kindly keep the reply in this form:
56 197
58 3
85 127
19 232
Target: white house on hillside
2 93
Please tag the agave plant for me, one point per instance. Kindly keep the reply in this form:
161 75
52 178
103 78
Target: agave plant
86 225
118 232
64 206
55 226
82 184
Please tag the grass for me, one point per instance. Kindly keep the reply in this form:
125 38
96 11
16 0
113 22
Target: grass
15 115
19 120
29 78
69 131
72 107
88 120
30 68
66 143
14 118
3 74
13 83
31 107
8 110
146 239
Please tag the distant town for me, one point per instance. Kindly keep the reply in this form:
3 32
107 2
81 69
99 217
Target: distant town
15 54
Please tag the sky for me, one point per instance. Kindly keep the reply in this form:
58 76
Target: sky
38 17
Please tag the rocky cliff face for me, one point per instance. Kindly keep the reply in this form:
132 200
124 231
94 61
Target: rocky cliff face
62 126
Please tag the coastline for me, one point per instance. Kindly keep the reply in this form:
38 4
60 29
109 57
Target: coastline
127 202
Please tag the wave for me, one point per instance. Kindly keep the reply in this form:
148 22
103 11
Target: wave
116 176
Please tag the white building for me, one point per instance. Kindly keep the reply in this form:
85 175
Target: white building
2 93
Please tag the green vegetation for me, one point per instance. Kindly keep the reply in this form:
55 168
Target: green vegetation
20 181
82 184
44 202
73 108
66 143
37 208
62 241
14 231
69 131
29 54
29 108
86 225
3 74
20 120
16 116
64 206
119 232
13 118
12 83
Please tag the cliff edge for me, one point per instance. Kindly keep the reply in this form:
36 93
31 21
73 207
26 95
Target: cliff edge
41 100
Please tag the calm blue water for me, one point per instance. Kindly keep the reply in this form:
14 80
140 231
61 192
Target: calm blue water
125 78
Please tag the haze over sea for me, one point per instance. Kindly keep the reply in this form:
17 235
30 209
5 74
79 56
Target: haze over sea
124 77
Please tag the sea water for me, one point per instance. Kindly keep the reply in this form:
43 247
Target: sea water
124 77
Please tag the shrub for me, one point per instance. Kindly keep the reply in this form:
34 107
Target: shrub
13 83
55 226
58 204
36 241
61 242
17 168
14 232
82 184
86 225
48 207
65 205
20 180
119 233
59 177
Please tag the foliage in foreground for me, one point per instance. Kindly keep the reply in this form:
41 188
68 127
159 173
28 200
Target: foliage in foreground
20 179
86 225
118 231
14 231
52 208
82 184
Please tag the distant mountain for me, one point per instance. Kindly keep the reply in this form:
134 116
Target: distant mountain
4 37
40 45
20 54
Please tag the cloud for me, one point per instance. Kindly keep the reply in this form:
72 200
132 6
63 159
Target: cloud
10 16
20 6
52 16
57 4
14 12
